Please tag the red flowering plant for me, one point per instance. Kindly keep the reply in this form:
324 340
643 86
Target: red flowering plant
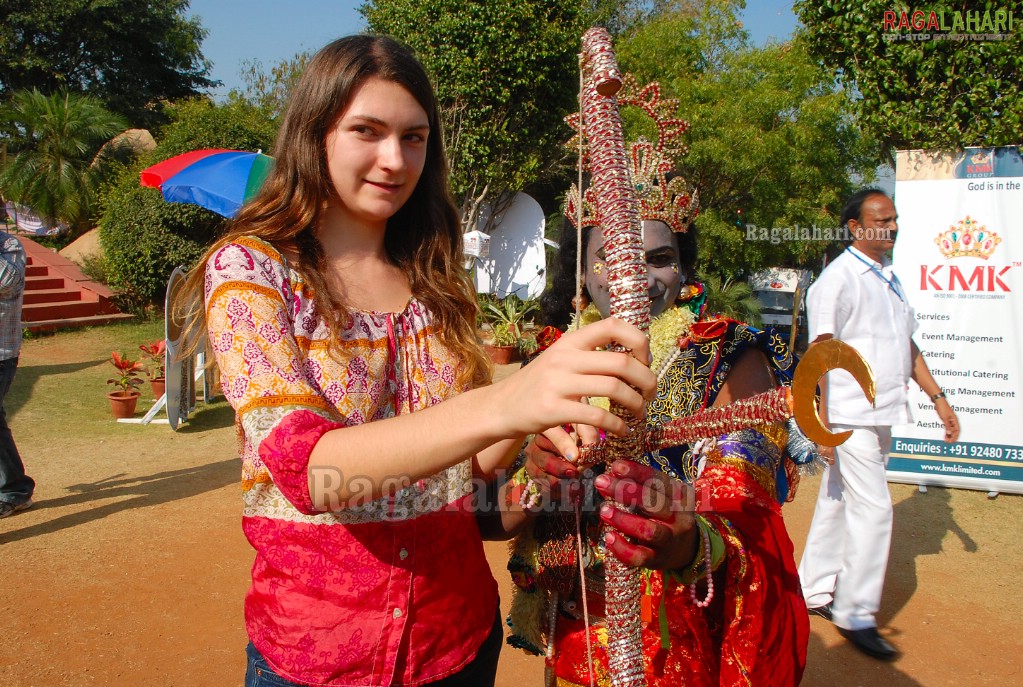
128 373
153 357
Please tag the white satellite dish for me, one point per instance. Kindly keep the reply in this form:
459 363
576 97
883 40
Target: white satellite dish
516 263
180 373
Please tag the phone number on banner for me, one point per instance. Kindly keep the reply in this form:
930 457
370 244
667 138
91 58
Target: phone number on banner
938 449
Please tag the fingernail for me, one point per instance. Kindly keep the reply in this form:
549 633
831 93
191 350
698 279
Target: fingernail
571 473
602 481
650 358
605 511
619 467
609 539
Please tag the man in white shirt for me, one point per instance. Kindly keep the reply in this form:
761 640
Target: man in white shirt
860 301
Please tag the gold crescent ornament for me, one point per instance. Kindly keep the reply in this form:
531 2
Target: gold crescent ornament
820 359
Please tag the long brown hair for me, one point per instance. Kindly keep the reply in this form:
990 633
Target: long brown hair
423 238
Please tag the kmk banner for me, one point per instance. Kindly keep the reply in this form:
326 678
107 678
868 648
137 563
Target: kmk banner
959 254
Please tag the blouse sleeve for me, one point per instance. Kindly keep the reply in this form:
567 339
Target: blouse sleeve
250 325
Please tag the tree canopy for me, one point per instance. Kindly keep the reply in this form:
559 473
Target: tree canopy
269 91
772 145
505 74
52 163
129 54
937 93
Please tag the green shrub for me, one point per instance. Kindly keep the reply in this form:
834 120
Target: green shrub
144 237
527 345
733 299
96 267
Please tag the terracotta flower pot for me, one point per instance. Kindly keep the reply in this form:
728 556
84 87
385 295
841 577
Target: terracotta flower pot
122 403
159 386
501 355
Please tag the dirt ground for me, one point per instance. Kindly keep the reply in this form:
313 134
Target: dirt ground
131 568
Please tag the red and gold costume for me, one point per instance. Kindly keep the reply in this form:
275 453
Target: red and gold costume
755 630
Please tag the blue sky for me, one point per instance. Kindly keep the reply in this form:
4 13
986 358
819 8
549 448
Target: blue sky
272 30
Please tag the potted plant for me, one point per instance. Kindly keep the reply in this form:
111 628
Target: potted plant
154 362
127 381
502 349
527 345
511 311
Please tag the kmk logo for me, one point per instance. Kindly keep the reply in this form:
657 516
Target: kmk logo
951 278
983 165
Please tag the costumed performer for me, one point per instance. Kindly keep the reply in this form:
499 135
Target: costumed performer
722 603
343 324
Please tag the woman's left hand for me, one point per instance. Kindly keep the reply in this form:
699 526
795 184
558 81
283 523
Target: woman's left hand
663 524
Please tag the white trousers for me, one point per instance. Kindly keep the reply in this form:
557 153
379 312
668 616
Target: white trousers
846 552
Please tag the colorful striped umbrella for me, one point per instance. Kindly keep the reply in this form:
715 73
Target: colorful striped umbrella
216 179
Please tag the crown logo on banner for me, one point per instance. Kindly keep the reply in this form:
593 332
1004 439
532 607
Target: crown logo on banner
968 239
980 158
650 163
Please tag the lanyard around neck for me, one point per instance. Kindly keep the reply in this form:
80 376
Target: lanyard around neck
873 268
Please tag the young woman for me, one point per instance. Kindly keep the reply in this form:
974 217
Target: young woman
343 325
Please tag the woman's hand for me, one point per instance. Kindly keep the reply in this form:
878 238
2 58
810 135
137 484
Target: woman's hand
549 392
663 524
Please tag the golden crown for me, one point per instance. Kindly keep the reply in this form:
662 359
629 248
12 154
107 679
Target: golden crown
967 239
670 201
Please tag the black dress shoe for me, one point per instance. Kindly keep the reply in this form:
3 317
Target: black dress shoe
870 642
823 611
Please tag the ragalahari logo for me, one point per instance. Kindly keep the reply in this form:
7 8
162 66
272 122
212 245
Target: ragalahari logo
966 239
959 21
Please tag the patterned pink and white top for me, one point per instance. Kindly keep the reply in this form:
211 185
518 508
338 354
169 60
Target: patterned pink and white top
394 592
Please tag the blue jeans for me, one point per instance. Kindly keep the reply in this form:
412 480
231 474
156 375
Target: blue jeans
480 672
15 486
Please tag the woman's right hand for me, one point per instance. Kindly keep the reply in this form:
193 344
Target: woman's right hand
550 391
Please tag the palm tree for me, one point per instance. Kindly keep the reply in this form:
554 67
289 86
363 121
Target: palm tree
733 299
54 141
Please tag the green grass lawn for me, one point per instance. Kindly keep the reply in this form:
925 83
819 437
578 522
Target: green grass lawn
61 386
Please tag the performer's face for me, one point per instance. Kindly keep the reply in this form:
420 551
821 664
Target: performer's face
664 277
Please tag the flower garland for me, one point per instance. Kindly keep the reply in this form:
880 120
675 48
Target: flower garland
665 331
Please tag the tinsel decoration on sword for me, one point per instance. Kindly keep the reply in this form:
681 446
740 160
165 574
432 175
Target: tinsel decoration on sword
615 200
